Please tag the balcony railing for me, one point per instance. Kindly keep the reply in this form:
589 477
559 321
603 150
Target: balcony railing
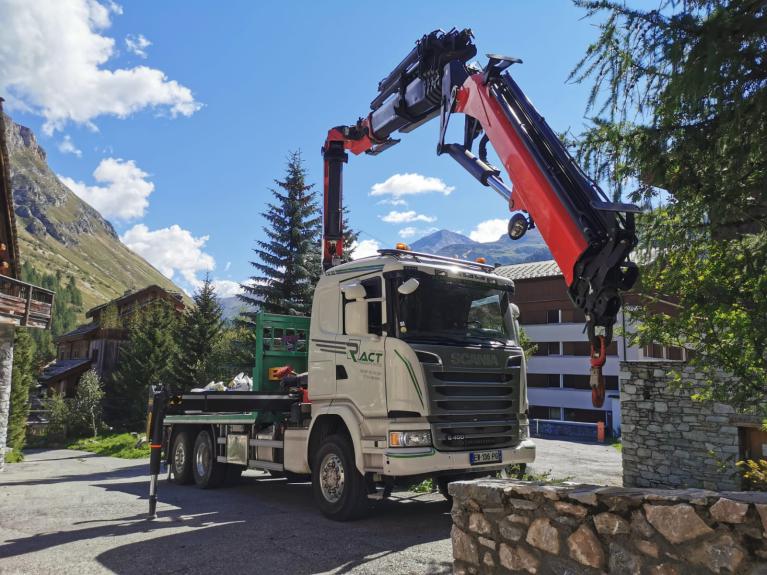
25 304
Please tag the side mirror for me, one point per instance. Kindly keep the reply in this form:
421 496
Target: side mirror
514 311
354 291
409 286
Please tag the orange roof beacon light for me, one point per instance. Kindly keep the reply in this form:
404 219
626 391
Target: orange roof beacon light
402 246
481 260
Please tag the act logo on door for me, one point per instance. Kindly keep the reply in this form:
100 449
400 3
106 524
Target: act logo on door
365 356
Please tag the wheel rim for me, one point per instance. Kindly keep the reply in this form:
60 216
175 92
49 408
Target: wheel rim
202 459
332 477
179 456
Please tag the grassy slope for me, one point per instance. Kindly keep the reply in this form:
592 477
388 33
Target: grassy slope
103 266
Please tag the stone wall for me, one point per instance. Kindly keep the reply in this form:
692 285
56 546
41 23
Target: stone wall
669 440
502 526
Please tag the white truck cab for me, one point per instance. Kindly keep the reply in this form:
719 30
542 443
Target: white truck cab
414 371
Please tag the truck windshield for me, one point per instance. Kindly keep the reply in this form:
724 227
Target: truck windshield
451 311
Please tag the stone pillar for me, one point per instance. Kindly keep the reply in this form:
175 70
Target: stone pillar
6 366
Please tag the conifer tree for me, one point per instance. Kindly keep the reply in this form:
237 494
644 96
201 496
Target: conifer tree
680 97
87 405
146 359
199 337
350 237
288 261
22 380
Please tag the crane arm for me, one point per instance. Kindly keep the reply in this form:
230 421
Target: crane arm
590 237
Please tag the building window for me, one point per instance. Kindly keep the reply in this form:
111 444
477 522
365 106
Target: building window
573 316
542 380
543 412
547 348
583 348
576 381
654 351
585 415
552 316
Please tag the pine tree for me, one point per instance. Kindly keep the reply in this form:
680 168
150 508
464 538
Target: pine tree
199 338
350 236
288 262
22 380
146 359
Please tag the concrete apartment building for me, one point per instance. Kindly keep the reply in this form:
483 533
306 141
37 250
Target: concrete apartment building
558 374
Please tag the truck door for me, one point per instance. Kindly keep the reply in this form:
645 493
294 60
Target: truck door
323 345
361 373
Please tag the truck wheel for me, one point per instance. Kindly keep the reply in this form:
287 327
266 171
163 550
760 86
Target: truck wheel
339 489
181 458
208 473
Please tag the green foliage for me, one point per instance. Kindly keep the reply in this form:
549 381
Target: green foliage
22 381
14 456
109 317
529 347
145 360
426 486
58 411
350 236
86 409
199 339
67 307
680 97
234 352
123 445
288 263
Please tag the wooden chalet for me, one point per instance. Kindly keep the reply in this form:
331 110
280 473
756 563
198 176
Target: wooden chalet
96 346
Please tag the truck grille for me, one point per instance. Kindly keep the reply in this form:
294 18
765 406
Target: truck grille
473 409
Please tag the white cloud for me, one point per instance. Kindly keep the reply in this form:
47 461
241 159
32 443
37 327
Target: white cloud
124 192
172 250
489 231
395 217
137 44
365 248
400 185
227 288
67 146
53 60
411 232
393 202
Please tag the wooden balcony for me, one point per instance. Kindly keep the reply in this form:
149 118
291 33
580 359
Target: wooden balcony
24 304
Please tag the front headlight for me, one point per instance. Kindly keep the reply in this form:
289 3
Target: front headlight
410 439
524 431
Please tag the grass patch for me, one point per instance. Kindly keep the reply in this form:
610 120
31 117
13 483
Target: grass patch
14 456
122 445
618 445
426 486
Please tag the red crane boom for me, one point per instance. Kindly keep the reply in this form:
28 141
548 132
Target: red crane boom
590 237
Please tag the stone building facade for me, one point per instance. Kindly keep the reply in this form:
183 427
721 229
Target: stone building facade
671 440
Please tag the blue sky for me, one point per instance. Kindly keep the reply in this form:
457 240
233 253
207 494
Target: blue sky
174 117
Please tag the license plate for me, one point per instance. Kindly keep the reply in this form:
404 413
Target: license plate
480 457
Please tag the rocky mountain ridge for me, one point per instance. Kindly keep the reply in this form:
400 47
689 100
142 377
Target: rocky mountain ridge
58 231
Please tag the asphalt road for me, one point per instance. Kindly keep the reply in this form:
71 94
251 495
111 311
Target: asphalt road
73 512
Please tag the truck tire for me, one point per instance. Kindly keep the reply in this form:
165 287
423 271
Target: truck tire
181 458
208 473
339 489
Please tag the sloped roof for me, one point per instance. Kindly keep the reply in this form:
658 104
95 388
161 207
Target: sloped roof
532 270
80 331
133 295
61 368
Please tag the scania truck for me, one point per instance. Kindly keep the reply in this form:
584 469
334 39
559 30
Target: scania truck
413 370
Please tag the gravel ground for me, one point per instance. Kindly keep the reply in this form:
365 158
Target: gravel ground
73 512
